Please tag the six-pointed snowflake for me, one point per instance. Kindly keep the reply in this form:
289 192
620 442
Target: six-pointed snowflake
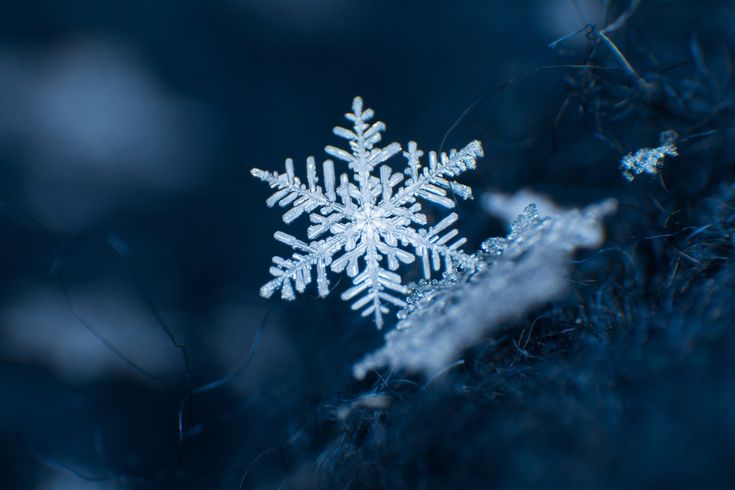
364 224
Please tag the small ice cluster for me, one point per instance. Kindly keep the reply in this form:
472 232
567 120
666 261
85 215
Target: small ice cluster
649 160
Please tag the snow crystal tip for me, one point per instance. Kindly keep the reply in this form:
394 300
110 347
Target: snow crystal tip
366 225
477 148
258 174
357 104
267 290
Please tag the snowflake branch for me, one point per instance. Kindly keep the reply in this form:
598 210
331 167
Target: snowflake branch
449 166
298 267
432 245
302 198
375 280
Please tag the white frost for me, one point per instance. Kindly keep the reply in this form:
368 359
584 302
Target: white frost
513 275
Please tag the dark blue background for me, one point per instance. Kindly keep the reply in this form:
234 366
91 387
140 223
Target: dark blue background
133 239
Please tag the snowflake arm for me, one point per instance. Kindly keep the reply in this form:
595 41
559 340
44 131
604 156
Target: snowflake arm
301 198
433 244
430 182
369 221
298 268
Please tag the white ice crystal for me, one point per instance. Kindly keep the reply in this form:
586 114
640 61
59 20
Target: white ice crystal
649 160
367 224
513 274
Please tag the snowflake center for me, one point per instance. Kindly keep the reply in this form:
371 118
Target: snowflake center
369 218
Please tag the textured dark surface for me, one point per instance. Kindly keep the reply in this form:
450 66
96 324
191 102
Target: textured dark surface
133 242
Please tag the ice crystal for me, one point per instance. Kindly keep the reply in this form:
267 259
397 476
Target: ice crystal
512 275
649 160
368 225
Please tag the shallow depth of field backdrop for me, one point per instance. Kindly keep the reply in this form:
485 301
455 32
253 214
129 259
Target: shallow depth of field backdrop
133 242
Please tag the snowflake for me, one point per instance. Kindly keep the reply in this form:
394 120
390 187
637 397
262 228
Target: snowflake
365 224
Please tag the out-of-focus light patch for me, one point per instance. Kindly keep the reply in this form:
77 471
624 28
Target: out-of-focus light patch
66 481
300 17
237 329
95 131
562 17
508 206
37 327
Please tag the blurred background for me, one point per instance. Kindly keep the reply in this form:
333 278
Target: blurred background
135 351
